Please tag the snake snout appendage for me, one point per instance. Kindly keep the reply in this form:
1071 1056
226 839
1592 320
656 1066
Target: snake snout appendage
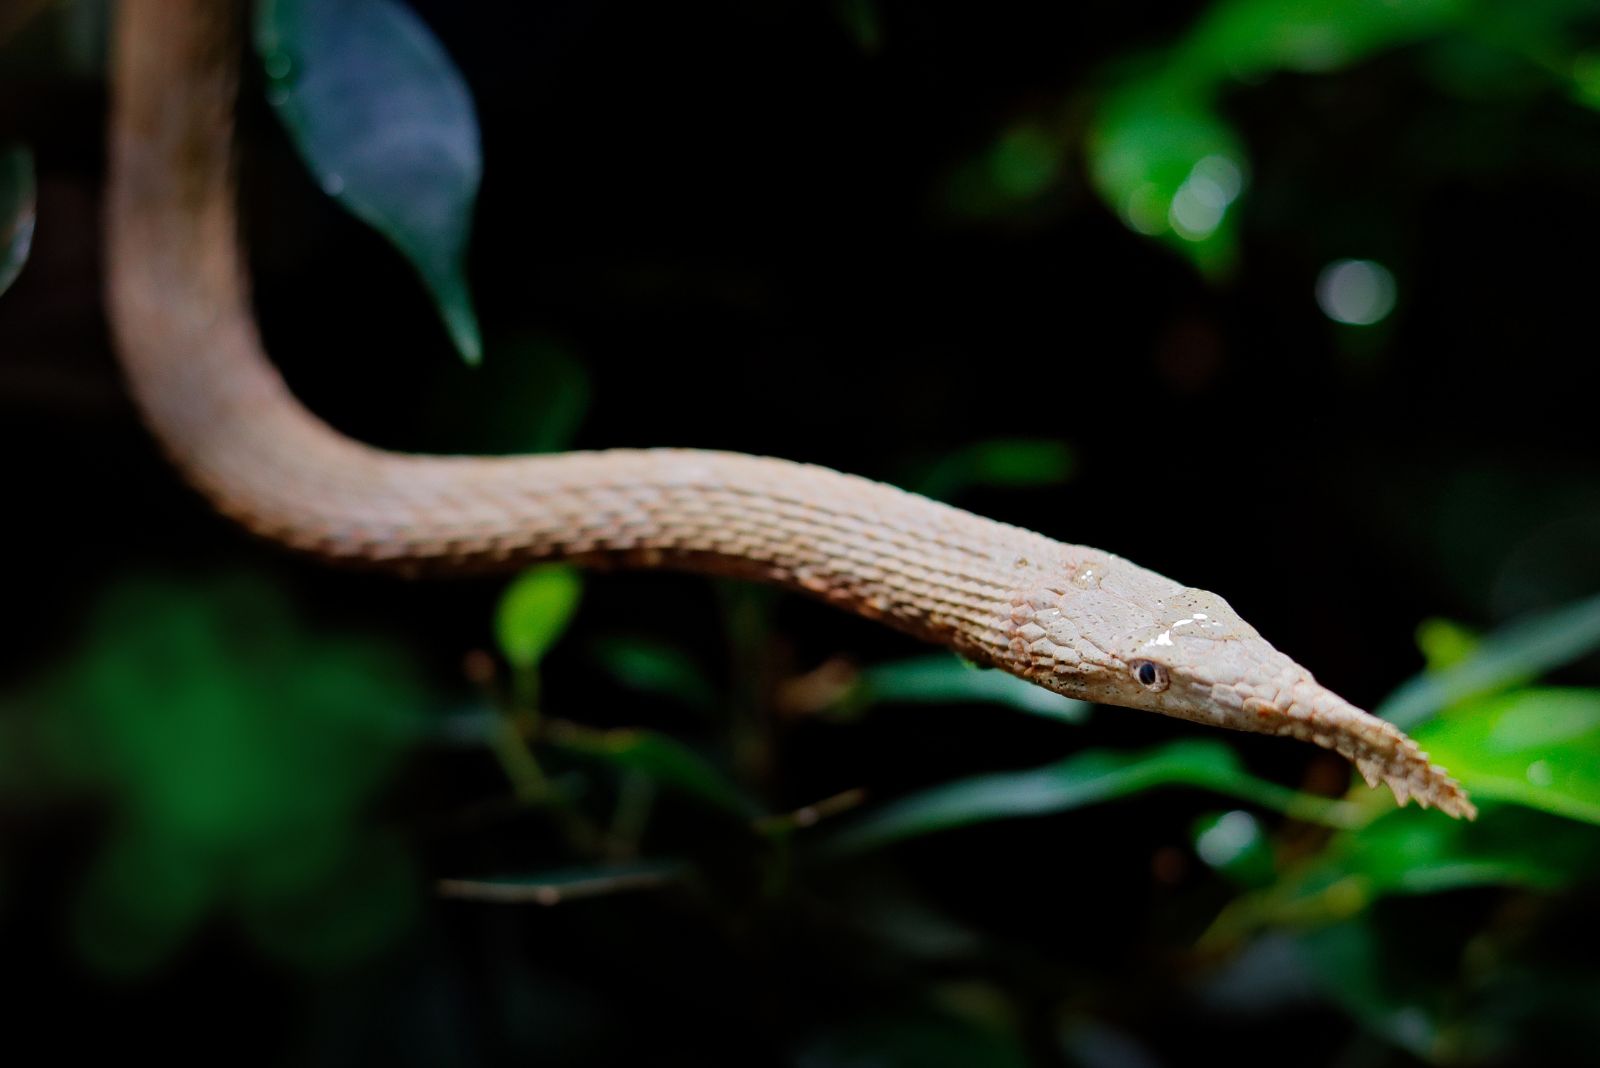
1383 753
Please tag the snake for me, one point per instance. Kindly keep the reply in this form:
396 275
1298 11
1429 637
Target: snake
1075 620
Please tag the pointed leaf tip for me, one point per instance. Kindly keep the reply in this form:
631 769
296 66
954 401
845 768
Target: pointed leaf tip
385 122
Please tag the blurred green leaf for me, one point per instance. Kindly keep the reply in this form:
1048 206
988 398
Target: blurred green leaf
548 403
143 896
1516 653
1534 747
941 678
358 904
661 758
16 212
1248 39
1024 161
534 611
1006 462
385 122
1349 960
655 667
1085 779
862 20
1410 851
1445 644
1160 153
1169 166
238 751
530 395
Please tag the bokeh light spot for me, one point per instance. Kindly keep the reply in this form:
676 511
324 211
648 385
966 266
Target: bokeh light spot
1224 172
1201 201
1226 840
1357 292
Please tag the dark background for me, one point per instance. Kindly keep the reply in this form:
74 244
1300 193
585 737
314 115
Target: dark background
741 227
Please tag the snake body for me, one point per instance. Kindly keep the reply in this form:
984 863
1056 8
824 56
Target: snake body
1076 620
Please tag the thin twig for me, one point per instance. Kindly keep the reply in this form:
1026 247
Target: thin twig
554 893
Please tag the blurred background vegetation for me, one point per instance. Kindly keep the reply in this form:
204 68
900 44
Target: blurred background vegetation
1288 299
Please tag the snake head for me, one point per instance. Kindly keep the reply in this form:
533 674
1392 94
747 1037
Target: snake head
1119 634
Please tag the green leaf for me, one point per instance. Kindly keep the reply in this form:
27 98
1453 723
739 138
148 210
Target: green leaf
862 21
237 748
1409 851
530 395
1523 650
1533 747
657 668
1352 966
141 898
386 124
1248 39
661 758
1160 153
1010 462
363 902
1085 779
1445 644
1024 162
940 678
534 611
1170 166
17 196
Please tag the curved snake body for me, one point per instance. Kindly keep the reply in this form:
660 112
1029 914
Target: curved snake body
1076 620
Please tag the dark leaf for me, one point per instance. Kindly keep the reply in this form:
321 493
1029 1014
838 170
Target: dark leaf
1085 779
16 212
385 122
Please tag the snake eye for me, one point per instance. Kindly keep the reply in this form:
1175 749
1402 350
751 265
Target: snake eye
1151 675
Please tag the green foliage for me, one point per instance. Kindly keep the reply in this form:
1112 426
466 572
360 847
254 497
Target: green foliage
1518 653
941 679
655 667
1160 151
534 612
16 212
1088 778
862 21
237 750
385 122
662 759
1170 166
1538 747
997 462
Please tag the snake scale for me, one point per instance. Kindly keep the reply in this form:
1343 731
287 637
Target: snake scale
1075 620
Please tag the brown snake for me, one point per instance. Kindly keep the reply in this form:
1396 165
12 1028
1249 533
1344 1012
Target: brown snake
1075 620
